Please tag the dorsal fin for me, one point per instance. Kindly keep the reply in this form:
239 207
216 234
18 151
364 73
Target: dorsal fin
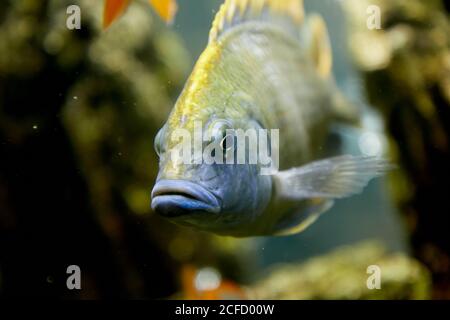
235 12
317 42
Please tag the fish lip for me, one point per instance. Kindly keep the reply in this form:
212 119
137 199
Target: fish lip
190 194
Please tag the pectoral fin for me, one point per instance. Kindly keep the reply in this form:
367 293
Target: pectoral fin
333 178
302 218
318 184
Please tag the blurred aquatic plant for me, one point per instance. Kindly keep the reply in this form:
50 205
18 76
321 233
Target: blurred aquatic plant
121 102
406 66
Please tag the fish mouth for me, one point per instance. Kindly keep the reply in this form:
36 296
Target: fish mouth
175 198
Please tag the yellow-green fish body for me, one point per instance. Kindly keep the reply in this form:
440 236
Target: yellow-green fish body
259 69
265 67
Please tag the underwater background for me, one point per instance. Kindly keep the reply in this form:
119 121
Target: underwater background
78 114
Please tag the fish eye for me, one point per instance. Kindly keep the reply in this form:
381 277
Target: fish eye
218 130
227 143
157 142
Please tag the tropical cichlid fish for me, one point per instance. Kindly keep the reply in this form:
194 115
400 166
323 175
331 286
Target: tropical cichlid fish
266 66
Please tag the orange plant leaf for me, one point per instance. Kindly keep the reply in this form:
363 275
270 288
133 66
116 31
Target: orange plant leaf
165 8
113 10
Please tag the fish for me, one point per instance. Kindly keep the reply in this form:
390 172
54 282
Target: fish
267 66
113 9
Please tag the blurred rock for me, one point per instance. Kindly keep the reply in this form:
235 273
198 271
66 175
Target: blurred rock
342 274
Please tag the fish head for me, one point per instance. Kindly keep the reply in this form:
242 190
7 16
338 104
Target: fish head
202 191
